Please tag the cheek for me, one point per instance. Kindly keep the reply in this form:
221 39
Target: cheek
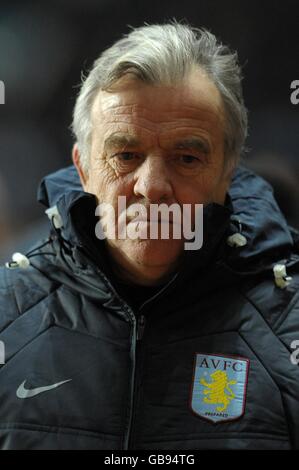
107 187
212 183
101 178
205 188
197 191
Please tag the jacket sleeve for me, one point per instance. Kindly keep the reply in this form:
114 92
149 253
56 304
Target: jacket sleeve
288 333
9 310
279 310
20 290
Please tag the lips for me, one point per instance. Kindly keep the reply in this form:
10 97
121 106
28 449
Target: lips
141 219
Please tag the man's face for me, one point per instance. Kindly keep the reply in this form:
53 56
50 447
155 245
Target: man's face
155 144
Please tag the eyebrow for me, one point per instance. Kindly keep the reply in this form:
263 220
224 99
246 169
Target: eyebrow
121 140
192 143
126 140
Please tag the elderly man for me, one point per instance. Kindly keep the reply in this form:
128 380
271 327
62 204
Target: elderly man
116 341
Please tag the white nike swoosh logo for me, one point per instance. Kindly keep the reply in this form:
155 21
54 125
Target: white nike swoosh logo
23 392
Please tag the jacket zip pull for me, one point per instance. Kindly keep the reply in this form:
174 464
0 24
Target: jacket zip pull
140 327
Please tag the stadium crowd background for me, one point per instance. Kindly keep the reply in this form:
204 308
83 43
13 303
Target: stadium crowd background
45 45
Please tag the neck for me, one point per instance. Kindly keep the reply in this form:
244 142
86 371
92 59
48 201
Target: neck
137 273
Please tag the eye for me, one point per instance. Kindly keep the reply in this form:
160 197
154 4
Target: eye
187 164
125 161
188 159
126 156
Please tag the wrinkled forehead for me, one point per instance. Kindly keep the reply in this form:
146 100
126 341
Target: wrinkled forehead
196 98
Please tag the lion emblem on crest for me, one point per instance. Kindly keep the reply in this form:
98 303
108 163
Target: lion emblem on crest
218 391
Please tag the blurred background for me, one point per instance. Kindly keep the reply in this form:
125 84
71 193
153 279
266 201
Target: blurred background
45 45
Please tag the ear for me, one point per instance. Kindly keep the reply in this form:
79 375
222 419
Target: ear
77 163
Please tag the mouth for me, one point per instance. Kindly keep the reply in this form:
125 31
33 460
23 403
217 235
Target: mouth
144 221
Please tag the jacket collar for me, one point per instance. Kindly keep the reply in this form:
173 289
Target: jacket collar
250 198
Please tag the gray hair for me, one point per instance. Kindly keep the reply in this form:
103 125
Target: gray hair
164 55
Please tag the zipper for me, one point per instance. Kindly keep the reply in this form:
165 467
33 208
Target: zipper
138 334
138 324
139 331
140 327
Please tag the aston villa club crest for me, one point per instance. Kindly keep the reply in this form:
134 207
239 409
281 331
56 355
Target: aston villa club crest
219 387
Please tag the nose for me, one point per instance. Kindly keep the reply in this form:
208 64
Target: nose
153 180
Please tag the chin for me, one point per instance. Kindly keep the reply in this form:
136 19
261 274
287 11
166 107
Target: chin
154 252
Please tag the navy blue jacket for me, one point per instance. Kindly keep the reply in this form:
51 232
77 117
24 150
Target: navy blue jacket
209 362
